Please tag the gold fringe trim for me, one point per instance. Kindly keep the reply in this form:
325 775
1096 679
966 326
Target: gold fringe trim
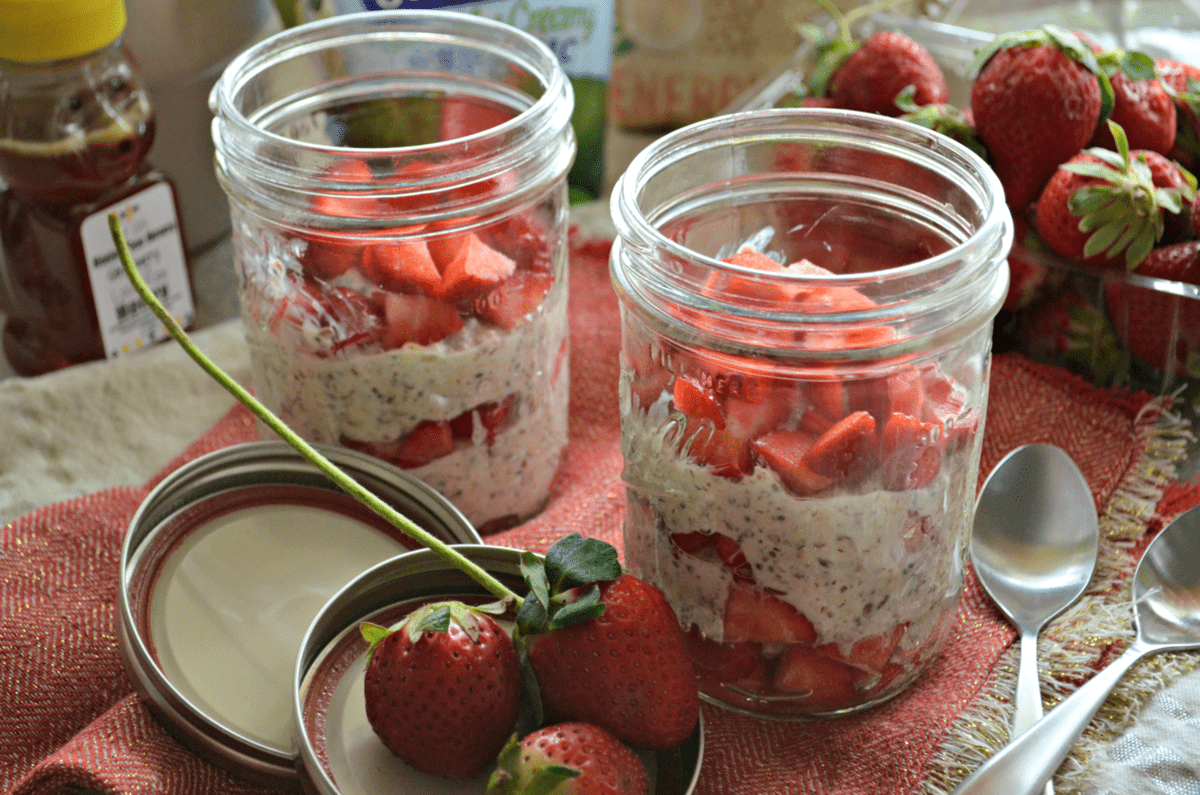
1099 624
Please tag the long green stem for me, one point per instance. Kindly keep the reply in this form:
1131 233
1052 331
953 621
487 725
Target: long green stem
344 481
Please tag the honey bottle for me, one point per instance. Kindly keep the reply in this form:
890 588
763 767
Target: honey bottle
75 127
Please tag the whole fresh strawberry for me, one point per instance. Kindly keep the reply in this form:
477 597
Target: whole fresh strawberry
941 117
1161 329
886 64
606 647
1101 203
1068 329
869 75
568 759
1141 104
443 688
1036 102
1182 81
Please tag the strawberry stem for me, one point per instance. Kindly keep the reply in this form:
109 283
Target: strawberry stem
344 481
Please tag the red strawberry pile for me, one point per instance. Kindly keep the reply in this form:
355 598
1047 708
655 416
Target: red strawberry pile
1093 148
595 666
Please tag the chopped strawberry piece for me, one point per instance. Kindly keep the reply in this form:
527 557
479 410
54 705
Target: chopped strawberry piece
443 249
346 203
912 452
747 419
739 409
402 267
915 534
725 453
869 654
732 556
329 256
723 662
946 405
706 438
749 290
697 403
463 426
648 378
783 452
753 260
730 376
825 683
345 317
526 238
754 615
874 683
943 398
847 451
813 423
476 267
493 417
426 442
356 318
828 397
833 300
510 304
417 318
693 542
463 116
904 392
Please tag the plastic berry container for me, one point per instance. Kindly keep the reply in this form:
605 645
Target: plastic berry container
807 301
1106 324
397 183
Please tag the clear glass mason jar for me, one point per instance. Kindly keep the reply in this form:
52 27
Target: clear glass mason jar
397 183
807 299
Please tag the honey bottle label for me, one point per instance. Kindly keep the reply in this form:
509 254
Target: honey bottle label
150 223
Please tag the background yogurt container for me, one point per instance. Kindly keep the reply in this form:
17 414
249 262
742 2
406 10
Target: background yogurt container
397 183
807 299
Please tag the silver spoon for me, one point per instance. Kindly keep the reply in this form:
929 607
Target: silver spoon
1166 601
1034 548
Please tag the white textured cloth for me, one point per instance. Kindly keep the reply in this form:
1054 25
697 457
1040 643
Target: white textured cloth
105 424
1160 755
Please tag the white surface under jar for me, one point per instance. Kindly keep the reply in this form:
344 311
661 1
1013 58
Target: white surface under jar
807 299
398 195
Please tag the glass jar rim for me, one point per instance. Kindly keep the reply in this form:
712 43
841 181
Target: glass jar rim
533 138
637 236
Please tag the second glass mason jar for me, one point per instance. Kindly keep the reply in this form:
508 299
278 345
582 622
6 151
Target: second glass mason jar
806 300
397 183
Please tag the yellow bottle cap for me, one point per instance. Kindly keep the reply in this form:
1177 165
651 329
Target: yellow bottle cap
49 30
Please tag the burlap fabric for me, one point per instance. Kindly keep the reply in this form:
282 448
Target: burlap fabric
69 721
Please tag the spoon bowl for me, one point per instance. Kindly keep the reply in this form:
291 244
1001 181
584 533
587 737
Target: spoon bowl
1034 546
1166 602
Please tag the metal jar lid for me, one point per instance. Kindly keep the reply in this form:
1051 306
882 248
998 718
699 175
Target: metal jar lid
223 568
338 751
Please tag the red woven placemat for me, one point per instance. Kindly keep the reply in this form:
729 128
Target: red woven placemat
70 721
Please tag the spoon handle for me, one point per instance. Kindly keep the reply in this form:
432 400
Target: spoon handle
1028 706
1024 765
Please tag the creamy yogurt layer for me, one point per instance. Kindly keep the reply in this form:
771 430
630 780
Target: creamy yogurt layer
379 397
856 562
